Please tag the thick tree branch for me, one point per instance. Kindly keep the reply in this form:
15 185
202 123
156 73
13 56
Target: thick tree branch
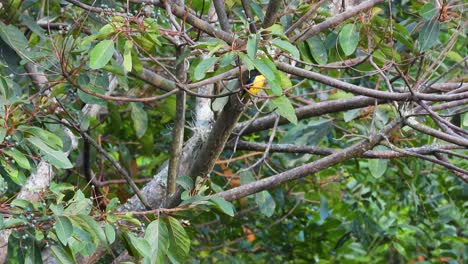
214 144
222 16
334 21
271 13
178 132
249 15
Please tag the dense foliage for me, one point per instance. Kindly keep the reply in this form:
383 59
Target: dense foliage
129 131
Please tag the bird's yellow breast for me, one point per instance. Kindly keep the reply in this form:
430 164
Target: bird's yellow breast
257 84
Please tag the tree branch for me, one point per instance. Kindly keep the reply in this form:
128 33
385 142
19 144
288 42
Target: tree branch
307 169
334 21
271 12
222 16
370 154
367 91
316 109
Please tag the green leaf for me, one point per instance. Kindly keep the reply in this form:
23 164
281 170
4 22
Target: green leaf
78 205
252 43
19 157
265 203
324 211
285 109
428 11
285 81
88 224
246 177
348 39
3 132
318 50
247 61
400 249
140 119
127 56
138 246
101 54
21 203
62 255
203 67
223 205
428 35
378 167
268 69
63 228
15 252
110 233
185 182
351 114
157 235
287 46
57 158
14 222
179 241
13 37
47 137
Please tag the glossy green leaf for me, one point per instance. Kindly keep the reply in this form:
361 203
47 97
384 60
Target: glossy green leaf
63 228
19 157
140 119
223 205
318 50
57 158
284 108
286 46
268 69
47 137
348 39
101 54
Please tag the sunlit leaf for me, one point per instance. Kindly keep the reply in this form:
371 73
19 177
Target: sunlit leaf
101 54
348 38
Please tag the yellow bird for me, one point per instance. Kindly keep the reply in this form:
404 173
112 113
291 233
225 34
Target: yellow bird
255 83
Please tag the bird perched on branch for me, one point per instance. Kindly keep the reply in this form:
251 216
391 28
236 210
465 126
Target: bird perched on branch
255 82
